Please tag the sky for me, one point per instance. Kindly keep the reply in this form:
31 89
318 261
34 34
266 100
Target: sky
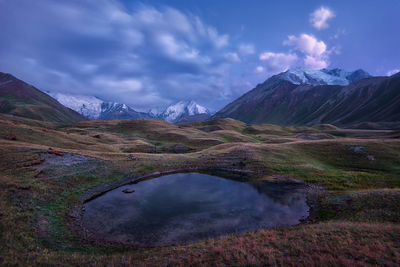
150 54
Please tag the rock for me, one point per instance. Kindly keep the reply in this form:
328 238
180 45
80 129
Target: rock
132 157
74 213
11 136
128 191
357 149
55 152
58 153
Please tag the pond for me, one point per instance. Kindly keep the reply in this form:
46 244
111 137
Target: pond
187 207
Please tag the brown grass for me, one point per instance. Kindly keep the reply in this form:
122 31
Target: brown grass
360 227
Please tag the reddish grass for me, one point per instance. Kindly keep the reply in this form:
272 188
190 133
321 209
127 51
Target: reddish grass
325 244
26 240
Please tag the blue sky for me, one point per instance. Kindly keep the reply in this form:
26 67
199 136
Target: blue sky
150 54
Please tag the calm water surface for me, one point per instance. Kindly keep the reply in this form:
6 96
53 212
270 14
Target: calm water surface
186 207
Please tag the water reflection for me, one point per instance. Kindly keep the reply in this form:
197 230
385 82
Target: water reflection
186 207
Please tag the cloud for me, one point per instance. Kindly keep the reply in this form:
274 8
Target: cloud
307 44
127 85
391 72
319 18
306 50
259 69
146 57
246 49
232 57
277 62
240 86
314 50
339 33
315 62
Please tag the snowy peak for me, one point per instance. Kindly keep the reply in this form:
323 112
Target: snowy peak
183 108
88 106
94 108
118 111
323 77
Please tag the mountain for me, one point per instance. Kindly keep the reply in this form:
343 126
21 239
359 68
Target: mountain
118 111
184 110
21 99
308 97
88 106
94 108
323 77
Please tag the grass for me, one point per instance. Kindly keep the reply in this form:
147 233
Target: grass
359 216
363 206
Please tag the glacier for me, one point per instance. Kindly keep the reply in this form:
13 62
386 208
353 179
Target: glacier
88 106
323 76
182 108
92 107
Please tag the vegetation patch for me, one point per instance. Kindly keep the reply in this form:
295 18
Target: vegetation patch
39 190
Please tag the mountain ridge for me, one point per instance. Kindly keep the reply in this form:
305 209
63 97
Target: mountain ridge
92 107
19 98
280 101
324 76
182 109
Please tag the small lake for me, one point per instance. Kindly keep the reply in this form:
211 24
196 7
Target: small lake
187 207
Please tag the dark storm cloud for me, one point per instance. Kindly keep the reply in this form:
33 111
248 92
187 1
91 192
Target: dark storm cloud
147 57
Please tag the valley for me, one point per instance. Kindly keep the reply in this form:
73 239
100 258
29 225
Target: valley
199 133
50 168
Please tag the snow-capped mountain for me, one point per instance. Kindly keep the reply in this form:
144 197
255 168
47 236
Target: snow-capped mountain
88 106
344 99
94 108
118 111
323 77
183 108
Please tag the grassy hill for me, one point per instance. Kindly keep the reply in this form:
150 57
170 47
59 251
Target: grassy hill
355 218
21 99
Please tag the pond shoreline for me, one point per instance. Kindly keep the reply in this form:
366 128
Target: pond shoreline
313 195
102 189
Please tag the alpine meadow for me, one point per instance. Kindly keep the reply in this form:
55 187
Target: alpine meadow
199 133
